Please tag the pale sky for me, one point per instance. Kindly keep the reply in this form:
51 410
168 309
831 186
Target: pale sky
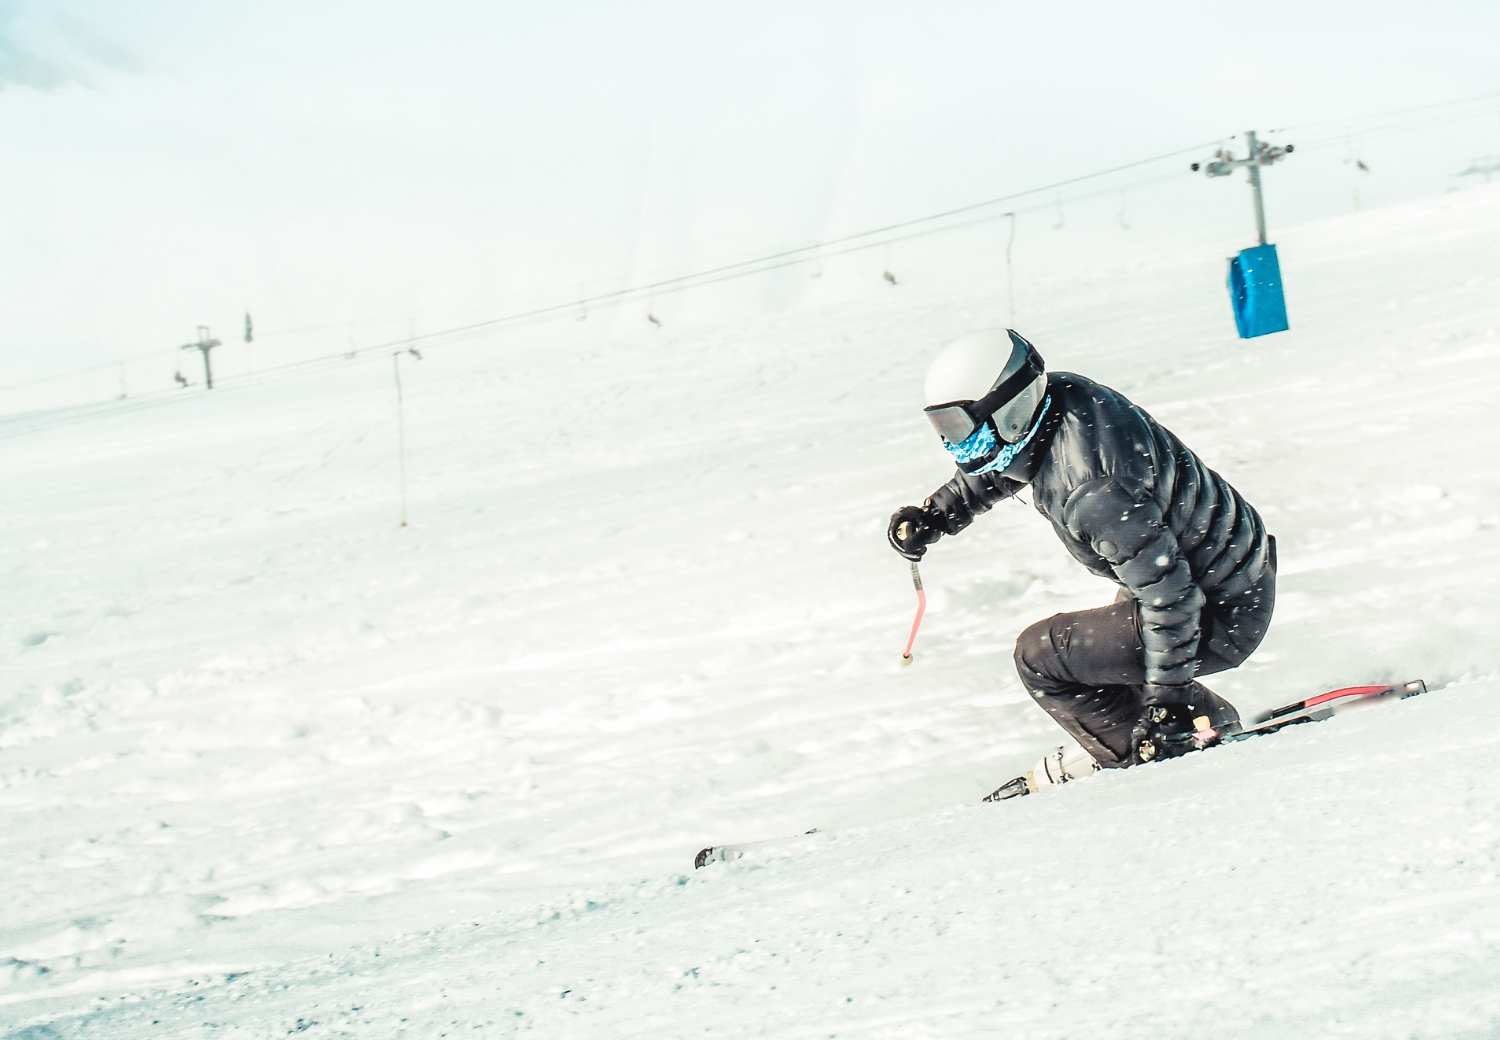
169 163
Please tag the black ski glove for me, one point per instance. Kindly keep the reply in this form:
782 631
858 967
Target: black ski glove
911 532
1163 731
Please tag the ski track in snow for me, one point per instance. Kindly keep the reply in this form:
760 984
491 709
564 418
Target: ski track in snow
271 766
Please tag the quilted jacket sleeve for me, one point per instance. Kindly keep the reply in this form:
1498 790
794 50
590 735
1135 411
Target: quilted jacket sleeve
955 505
1129 533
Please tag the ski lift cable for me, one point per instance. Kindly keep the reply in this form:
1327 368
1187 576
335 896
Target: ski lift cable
16 426
1403 125
711 276
988 218
1407 110
870 232
308 368
754 262
316 366
744 268
86 370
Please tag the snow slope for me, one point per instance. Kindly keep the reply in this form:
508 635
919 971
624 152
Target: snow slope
272 765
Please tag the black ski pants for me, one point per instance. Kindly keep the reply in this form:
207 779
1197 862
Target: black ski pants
1086 668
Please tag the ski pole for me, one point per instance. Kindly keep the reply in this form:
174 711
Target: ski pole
916 622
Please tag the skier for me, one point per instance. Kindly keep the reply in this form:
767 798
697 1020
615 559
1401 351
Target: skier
1195 567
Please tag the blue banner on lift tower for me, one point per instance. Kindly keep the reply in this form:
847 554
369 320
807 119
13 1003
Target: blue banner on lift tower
1255 292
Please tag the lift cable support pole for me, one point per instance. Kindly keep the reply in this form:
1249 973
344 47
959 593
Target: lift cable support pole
205 344
401 421
1259 154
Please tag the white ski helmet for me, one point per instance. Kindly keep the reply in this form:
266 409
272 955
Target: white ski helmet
983 393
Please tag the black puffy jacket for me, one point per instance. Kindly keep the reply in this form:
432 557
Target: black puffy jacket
1132 504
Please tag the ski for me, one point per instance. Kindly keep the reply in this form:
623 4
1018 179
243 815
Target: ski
1326 705
730 853
1310 709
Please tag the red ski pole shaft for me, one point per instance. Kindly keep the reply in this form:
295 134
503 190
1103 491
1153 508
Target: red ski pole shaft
916 622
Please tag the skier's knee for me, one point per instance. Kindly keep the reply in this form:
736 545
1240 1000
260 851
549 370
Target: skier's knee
1036 657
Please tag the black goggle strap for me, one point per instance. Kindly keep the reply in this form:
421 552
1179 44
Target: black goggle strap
944 417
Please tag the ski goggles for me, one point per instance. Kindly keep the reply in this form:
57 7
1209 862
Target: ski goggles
957 421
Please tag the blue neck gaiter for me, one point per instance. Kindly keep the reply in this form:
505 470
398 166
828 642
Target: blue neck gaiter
984 441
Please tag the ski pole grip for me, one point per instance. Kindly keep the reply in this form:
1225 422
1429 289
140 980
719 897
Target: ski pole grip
903 530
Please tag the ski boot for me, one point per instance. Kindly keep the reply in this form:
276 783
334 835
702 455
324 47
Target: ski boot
1060 766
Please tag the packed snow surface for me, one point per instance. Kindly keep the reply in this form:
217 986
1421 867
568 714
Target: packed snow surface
272 765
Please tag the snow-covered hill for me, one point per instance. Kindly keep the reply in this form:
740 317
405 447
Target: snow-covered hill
271 765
